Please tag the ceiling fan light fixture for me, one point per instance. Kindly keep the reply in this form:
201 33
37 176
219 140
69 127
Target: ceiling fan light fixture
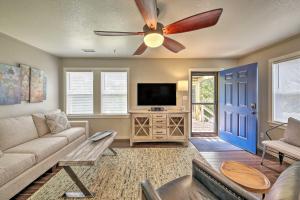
154 40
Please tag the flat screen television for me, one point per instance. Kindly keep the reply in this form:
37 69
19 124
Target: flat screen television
156 94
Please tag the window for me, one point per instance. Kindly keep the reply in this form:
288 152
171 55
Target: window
79 97
96 92
286 89
113 92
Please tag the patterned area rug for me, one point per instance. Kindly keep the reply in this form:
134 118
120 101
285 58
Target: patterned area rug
118 177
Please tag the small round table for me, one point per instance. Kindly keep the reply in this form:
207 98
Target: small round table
248 177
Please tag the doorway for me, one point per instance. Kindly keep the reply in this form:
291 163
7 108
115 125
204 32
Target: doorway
204 98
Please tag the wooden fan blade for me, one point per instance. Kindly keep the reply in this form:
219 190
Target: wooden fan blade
173 45
142 48
116 33
148 9
195 22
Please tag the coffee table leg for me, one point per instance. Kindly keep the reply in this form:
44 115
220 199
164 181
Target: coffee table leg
113 151
85 193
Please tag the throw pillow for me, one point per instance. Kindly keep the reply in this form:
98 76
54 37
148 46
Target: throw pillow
40 122
57 122
292 132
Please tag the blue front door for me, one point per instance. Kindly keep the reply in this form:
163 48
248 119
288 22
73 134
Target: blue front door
238 103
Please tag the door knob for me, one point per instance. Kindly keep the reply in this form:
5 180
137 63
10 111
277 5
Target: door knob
253 106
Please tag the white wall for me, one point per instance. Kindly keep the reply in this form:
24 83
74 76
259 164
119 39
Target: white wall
142 70
262 57
15 52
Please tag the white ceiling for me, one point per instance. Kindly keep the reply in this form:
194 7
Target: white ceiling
64 27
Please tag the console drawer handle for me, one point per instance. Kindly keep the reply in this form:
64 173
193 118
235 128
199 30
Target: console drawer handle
158 131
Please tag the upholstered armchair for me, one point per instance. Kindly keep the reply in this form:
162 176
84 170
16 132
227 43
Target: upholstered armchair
205 184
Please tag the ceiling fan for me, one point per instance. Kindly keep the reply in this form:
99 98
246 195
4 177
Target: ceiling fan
155 33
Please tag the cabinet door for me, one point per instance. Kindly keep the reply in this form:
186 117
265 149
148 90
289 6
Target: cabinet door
141 126
176 126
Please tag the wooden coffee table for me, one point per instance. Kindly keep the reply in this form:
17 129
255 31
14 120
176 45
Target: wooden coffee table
86 154
248 177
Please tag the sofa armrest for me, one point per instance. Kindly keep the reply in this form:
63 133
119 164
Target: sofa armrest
218 184
83 124
148 191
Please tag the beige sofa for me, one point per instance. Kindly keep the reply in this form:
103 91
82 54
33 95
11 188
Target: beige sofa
25 154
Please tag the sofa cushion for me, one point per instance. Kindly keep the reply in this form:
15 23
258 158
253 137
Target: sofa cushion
15 131
40 147
283 147
71 134
57 122
40 122
1 154
13 164
292 132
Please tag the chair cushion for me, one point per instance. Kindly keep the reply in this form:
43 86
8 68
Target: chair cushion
57 122
287 185
13 164
15 131
185 187
71 134
292 132
40 122
40 147
283 147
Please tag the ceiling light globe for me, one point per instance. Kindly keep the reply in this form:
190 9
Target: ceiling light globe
154 40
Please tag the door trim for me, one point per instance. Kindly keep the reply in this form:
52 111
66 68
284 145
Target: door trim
216 100
206 69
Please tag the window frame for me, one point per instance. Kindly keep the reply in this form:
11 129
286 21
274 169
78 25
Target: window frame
100 96
66 93
292 56
97 92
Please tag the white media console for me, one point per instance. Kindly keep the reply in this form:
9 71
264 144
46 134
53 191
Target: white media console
159 126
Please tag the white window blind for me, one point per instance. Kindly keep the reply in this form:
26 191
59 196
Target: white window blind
114 92
79 92
286 90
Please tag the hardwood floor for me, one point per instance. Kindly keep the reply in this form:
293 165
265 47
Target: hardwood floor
37 184
271 168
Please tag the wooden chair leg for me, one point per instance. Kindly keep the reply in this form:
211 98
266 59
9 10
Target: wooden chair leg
281 156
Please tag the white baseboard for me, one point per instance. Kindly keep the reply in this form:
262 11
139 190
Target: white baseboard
123 138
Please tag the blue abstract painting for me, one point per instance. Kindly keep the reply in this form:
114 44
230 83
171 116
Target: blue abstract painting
10 85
